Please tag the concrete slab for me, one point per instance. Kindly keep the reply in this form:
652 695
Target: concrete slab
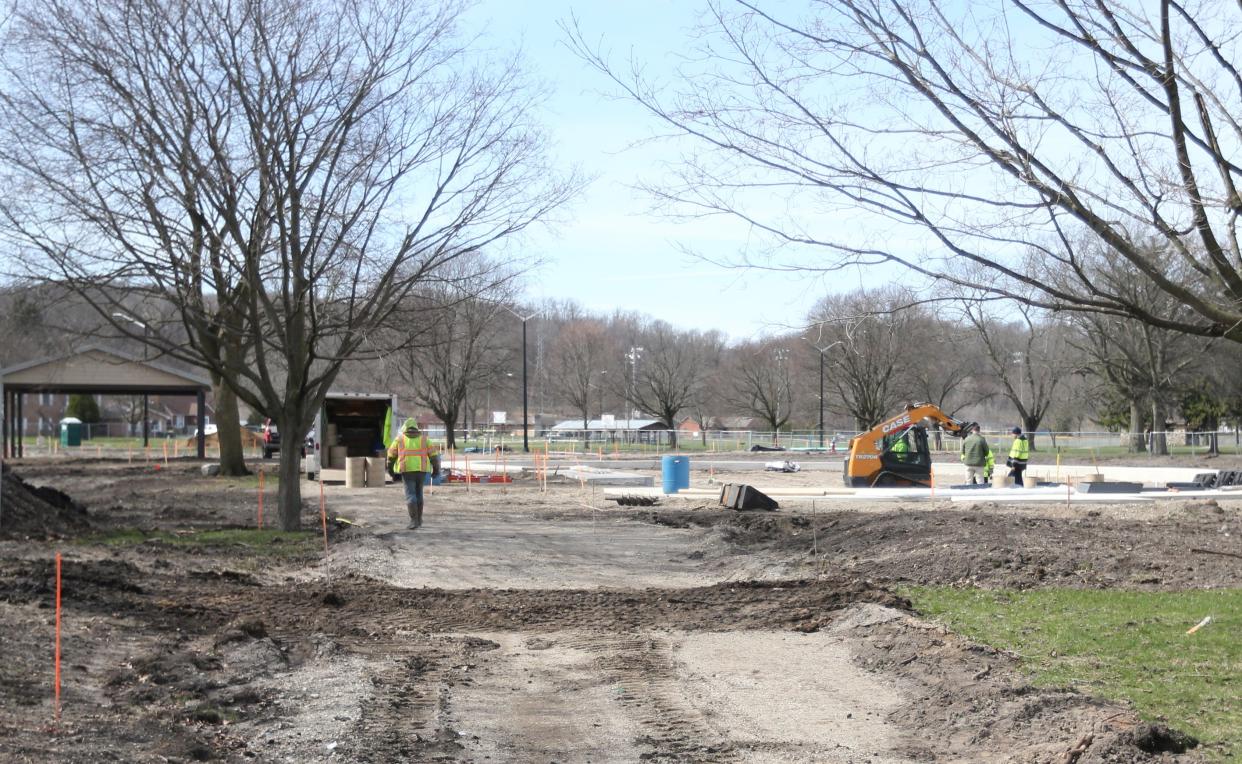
601 477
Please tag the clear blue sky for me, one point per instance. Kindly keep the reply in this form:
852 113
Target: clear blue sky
612 252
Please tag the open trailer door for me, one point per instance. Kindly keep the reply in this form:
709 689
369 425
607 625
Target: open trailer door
355 424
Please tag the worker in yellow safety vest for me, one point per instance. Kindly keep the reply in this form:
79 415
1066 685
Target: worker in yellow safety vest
900 448
411 457
1019 453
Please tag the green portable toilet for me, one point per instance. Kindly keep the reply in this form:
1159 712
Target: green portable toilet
70 431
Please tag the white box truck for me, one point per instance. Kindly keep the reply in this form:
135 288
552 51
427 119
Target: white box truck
352 424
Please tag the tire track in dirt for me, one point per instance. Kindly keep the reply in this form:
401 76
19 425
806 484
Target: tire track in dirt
407 716
643 671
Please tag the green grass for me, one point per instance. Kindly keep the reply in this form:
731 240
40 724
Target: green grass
247 540
1121 645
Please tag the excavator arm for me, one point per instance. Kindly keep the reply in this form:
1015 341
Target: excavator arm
895 451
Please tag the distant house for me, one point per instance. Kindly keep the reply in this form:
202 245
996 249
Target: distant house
738 424
689 427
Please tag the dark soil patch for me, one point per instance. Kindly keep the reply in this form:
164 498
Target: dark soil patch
365 606
988 546
38 512
152 496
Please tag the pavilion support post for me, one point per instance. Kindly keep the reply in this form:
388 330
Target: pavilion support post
21 425
202 424
7 411
146 421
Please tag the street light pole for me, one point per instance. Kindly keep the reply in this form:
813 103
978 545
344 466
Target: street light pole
821 399
822 351
525 388
633 356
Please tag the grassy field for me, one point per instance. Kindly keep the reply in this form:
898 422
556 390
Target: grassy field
1122 645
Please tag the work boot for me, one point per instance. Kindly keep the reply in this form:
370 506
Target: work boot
418 516
411 507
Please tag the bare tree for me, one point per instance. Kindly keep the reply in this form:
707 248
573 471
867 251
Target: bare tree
454 343
983 145
667 374
1139 362
871 369
284 172
578 358
1027 357
711 393
762 385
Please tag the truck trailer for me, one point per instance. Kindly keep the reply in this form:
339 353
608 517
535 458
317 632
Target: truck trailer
352 424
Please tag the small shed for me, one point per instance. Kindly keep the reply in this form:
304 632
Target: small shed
611 428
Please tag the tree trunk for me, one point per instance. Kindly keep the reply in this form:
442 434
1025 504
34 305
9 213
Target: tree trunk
1159 440
228 429
586 429
1136 443
450 424
672 434
1029 425
289 495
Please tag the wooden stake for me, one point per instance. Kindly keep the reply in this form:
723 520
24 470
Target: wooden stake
323 517
56 659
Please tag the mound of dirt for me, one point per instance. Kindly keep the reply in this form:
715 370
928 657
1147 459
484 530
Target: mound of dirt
42 511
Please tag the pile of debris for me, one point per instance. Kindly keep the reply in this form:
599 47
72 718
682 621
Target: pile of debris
27 511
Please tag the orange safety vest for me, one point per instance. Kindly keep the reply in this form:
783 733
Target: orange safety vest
414 455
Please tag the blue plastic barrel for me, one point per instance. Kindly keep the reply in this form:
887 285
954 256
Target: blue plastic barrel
676 473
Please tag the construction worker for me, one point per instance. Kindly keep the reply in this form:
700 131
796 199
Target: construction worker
975 455
1019 453
989 467
411 456
900 448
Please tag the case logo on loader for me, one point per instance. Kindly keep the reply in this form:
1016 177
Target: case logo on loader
895 424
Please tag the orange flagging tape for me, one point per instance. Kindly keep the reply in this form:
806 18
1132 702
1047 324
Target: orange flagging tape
56 660
260 499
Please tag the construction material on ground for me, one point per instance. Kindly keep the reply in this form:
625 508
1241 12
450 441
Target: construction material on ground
745 497
787 465
336 457
356 472
377 471
630 500
597 476
497 468
455 476
1204 480
1109 486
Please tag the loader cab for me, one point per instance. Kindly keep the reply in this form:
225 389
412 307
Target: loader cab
905 459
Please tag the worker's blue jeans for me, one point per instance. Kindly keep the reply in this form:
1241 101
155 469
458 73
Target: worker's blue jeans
414 487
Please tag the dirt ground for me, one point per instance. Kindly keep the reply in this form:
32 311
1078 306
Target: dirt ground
521 626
